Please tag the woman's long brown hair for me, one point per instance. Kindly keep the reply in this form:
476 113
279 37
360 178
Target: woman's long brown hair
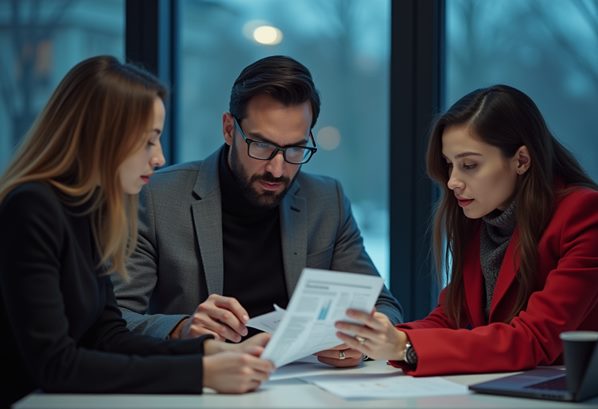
506 118
93 121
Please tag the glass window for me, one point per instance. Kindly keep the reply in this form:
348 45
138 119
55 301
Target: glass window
39 42
548 49
346 46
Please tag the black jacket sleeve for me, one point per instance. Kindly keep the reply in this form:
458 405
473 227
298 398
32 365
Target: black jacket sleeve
63 328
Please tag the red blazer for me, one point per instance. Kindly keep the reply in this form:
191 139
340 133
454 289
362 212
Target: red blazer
568 300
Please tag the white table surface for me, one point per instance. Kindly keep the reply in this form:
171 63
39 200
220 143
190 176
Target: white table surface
294 393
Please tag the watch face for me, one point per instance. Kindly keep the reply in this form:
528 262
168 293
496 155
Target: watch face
410 355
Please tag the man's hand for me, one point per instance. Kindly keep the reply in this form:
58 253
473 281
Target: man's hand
220 316
340 356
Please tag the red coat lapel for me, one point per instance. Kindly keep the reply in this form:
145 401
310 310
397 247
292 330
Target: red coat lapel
507 273
472 279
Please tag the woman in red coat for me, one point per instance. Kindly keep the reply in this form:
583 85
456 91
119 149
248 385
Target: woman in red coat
517 224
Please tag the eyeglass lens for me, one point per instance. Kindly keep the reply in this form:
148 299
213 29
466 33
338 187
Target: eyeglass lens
265 150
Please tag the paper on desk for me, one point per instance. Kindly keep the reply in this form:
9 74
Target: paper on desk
309 366
386 386
267 322
320 299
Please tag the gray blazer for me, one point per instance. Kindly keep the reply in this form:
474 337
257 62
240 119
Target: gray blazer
178 262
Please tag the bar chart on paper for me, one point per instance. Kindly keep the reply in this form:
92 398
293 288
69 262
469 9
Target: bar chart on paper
324 311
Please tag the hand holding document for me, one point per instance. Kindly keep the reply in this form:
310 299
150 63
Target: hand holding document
319 300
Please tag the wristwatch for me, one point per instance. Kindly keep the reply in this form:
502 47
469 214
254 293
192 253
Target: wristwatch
410 356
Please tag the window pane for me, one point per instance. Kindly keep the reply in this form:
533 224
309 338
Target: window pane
39 42
548 49
346 46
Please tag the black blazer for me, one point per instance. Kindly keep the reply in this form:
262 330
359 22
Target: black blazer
61 328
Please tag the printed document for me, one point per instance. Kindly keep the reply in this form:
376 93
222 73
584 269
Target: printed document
320 299
386 386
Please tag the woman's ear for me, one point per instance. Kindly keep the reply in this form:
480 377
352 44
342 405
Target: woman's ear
522 160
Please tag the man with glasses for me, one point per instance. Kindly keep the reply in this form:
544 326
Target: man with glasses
226 238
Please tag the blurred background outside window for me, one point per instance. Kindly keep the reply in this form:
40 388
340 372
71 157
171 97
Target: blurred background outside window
546 48
346 46
40 40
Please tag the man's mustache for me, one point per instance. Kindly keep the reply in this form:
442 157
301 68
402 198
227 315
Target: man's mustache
268 177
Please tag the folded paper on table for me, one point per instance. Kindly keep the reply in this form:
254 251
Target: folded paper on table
267 322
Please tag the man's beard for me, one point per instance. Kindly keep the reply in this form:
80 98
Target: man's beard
264 199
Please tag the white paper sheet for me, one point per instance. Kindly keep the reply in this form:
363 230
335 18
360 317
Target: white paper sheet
267 322
385 386
306 366
320 299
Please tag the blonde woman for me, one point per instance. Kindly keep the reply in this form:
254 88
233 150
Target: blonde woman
68 207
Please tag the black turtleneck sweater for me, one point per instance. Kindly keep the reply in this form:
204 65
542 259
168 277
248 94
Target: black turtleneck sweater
253 267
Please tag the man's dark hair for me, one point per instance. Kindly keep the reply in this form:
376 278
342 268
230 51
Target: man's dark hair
282 78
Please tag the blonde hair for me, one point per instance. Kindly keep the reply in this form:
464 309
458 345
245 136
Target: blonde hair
92 122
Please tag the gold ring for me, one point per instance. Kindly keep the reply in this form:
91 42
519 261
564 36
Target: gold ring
359 339
341 355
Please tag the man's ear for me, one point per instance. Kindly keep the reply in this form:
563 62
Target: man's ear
522 160
228 127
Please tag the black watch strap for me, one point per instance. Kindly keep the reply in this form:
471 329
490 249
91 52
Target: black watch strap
410 355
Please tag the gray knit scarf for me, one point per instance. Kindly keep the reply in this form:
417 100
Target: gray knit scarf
495 236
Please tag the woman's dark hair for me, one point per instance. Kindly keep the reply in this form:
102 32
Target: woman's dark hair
282 78
506 118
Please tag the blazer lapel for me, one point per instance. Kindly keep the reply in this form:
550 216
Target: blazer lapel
207 220
507 273
293 226
472 279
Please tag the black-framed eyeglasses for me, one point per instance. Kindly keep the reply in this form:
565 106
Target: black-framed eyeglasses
296 155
